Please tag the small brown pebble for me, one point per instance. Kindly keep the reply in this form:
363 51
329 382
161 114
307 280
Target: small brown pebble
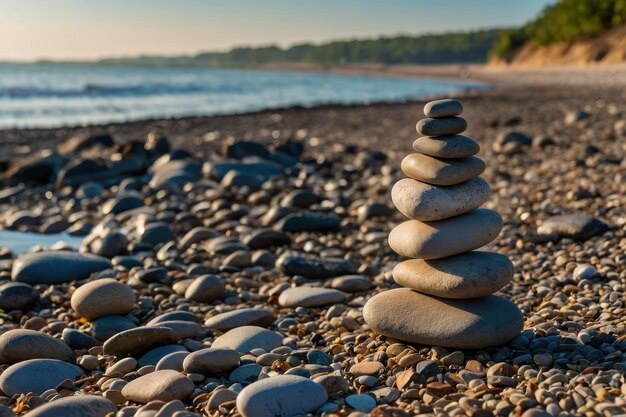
88 362
388 411
410 360
404 378
474 366
455 358
35 323
367 368
439 389
501 369
115 396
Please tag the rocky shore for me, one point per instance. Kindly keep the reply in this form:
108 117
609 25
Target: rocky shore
226 262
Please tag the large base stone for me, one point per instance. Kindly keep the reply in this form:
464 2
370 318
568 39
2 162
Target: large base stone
477 323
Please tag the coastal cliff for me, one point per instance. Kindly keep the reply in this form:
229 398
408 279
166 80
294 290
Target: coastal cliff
609 48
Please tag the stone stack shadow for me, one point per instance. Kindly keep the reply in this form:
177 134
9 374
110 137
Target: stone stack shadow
448 296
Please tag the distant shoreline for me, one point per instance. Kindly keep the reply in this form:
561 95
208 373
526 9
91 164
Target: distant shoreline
613 74
598 74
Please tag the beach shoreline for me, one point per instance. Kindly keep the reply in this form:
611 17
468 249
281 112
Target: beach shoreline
500 75
533 99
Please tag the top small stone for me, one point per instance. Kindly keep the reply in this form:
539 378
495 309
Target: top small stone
442 108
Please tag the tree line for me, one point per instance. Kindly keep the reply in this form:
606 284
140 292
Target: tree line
564 21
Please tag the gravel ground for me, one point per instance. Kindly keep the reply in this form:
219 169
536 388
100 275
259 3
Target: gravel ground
317 207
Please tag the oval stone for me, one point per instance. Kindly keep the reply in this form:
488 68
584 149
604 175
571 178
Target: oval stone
172 361
108 326
21 344
420 201
242 317
56 267
468 275
244 339
76 406
103 297
176 315
441 171
441 238
456 146
153 356
281 396
17 296
443 107
182 329
211 361
351 283
166 385
205 289
36 375
574 226
441 126
197 235
476 323
310 297
137 340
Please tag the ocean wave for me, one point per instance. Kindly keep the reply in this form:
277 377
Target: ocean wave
91 90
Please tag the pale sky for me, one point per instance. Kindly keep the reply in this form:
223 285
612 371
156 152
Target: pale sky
87 29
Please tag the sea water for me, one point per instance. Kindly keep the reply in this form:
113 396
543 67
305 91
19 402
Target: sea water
54 95
21 242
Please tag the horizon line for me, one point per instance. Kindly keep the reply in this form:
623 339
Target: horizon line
95 60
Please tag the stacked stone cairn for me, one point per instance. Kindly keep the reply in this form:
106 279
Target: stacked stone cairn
448 296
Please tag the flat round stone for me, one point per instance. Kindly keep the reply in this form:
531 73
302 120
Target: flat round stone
468 275
108 326
361 402
441 171
205 289
56 267
242 317
17 296
172 361
443 107
36 375
476 323
351 283
456 146
310 297
367 368
134 341
76 406
103 297
244 339
283 395
22 344
425 202
171 316
441 126
219 397
441 238
245 373
574 226
153 356
182 329
211 361
166 385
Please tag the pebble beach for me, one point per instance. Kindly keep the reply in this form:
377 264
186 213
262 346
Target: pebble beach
225 263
